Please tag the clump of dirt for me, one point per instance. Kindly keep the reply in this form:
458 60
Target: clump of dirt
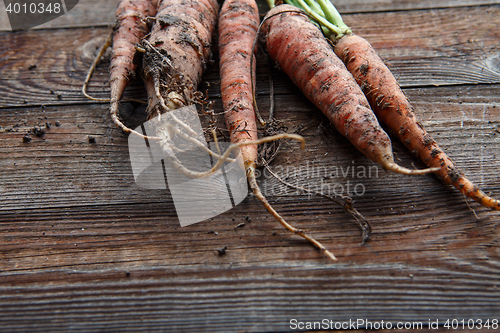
38 131
26 138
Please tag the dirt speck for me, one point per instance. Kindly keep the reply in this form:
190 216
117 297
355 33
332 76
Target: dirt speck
38 131
27 138
92 139
222 251
364 69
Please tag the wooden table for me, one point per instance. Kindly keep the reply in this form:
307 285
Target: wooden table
84 249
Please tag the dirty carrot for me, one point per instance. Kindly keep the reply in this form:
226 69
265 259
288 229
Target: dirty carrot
238 25
302 52
174 57
176 53
130 28
390 103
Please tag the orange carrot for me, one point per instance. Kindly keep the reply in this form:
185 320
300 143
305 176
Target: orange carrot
176 53
302 52
238 25
393 109
130 28
175 56
391 105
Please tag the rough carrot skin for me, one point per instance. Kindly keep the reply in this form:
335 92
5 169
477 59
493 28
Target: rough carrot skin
129 30
238 24
393 109
303 53
182 32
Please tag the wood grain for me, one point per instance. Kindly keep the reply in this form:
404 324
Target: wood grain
84 249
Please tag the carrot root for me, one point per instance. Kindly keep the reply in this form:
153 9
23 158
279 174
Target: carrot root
225 157
92 68
256 190
344 201
405 171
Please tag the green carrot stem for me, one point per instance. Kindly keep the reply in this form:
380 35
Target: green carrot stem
270 3
334 15
325 14
332 30
315 7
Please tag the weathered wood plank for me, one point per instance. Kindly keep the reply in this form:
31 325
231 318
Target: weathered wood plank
267 298
464 120
98 177
359 6
48 67
102 12
455 46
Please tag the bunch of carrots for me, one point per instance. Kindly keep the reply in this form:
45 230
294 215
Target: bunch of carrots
337 70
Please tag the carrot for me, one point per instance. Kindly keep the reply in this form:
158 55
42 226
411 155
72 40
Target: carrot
302 52
181 29
129 30
392 107
176 53
173 59
238 25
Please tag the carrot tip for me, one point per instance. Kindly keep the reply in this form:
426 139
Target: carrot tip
405 171
483 199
